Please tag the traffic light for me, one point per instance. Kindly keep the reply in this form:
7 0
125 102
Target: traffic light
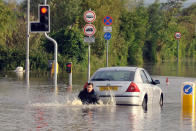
44 20
44 17
69 67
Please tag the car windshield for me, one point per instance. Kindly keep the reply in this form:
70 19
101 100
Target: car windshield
114 75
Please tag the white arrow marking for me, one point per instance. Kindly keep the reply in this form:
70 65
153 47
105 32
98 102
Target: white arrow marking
187 90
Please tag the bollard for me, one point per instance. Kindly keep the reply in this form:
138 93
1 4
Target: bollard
188 99
52 69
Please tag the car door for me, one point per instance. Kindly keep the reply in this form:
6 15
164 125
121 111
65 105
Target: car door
153 87
147 85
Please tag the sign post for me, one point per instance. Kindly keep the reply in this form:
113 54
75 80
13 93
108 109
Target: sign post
89 30
107 28
177 36
107 36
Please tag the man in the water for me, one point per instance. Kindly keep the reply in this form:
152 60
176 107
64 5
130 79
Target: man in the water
88 95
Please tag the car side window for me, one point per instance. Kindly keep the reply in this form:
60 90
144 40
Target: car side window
143 76
148 77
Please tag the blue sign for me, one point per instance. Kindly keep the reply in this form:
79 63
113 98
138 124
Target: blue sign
107 35
107 20
187 89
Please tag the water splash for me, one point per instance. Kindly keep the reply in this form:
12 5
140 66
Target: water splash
74 102
111 100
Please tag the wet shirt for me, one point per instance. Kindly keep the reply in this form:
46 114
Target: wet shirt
88 98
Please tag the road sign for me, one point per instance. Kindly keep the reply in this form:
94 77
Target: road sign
89 30
107 29
177 35
89 39
107 35
89 16
108 20
188 89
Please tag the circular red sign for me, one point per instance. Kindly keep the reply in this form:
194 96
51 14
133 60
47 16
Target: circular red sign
89 16
89 29
177 35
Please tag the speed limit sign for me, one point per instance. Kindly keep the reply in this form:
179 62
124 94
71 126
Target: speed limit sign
177 35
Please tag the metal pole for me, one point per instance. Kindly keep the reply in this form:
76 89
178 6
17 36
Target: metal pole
27 46
55 57
107 55
88 77
177 50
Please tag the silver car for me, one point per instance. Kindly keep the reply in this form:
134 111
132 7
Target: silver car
126 85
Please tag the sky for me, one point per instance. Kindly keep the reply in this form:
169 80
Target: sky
187 3
147 2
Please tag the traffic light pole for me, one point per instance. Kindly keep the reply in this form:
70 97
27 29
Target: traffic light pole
27 46
55 58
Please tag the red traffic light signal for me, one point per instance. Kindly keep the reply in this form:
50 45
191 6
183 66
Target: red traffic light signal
69 67
44 20
43 10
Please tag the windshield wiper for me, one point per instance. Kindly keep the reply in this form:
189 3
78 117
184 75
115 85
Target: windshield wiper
100 79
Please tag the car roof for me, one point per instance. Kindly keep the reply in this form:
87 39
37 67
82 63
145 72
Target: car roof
118 68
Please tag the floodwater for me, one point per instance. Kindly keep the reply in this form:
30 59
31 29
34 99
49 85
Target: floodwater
43 107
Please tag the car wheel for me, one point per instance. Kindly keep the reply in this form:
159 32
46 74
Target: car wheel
144 103
161 100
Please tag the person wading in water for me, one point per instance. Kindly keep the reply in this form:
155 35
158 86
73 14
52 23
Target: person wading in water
88 95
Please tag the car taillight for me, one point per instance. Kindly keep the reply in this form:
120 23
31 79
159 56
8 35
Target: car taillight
133 88
86 84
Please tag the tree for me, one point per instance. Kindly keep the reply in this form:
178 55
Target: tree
155 23
7 21
133 27
70 44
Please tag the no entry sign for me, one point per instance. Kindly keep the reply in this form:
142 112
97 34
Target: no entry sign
108 20
89 16
89 29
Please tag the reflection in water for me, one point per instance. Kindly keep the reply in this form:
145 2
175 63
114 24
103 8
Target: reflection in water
69 89
87 114
172 68
56 94
188 114
39 119
19 75
138 116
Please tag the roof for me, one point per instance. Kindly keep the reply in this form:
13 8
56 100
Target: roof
118 68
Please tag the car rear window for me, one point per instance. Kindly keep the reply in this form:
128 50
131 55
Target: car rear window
114 75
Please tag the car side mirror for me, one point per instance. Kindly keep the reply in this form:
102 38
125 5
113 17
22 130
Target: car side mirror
155 82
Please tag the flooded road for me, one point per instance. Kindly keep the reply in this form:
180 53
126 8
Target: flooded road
40 106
